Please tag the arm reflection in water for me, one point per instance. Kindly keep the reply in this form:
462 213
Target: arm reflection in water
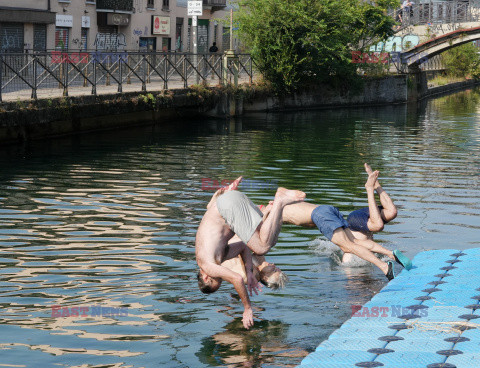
263 344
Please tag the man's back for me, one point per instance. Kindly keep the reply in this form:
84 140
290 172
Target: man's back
212 237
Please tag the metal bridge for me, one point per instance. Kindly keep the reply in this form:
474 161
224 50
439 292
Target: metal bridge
429 28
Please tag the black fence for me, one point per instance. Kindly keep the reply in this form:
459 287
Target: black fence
95 70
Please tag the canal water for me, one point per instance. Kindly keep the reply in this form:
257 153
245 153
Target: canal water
108 220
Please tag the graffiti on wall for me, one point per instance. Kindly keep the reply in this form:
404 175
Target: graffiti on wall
140 32
441 29
397 43
110 41
12 40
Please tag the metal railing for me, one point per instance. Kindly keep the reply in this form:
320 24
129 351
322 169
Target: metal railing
215 3
436 12
160 70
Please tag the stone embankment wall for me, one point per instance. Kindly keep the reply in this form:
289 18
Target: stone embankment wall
27 120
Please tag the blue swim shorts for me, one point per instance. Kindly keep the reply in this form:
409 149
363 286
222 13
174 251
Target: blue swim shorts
328 219
358 219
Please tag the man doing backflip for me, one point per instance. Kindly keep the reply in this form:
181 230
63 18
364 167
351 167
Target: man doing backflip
354 235
231 212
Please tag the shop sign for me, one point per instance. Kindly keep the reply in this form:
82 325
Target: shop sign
160 25
64 20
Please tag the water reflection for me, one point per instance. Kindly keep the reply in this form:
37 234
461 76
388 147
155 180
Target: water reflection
110 219
264 344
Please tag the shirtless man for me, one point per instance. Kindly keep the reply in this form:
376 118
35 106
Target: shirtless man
368 220
331 223
231 212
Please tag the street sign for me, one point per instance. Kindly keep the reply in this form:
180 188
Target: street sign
195 8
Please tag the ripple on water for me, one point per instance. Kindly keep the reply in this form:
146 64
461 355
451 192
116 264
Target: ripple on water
109 221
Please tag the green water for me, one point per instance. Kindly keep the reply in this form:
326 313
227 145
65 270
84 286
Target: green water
110 219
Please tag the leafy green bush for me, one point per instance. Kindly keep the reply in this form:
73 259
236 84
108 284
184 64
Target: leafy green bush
462 60
299 43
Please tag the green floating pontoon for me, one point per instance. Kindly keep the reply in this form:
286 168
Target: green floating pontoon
427 317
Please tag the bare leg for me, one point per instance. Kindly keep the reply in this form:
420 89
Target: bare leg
346 242
389 211
233 186
372 246
375 222
266 235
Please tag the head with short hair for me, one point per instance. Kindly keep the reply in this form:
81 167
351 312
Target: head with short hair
207 284
271 276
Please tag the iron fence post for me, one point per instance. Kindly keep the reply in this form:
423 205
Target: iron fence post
251 70
65 79
94 85
34 89
1 74
165 72
144 86
120 72
185 80
222 72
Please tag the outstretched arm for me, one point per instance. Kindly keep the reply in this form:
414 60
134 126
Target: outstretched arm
252 283
214 270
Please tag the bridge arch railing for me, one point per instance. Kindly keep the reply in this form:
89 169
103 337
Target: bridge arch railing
439 12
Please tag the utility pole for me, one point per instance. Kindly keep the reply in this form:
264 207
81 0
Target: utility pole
231 29
195 8
195 46
230 60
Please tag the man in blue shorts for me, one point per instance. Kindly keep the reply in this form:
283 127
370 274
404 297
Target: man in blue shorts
366 221
331 223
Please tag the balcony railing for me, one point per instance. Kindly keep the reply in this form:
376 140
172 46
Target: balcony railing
215 3
122 5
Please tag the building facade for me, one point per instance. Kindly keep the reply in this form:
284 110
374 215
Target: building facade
109 25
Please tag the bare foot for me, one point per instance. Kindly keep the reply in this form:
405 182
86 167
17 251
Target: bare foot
369 171
234 185
372 179
286 196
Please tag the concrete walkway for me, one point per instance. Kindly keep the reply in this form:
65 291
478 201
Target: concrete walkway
48 93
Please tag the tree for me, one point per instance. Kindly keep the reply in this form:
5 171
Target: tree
296 43
461 60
